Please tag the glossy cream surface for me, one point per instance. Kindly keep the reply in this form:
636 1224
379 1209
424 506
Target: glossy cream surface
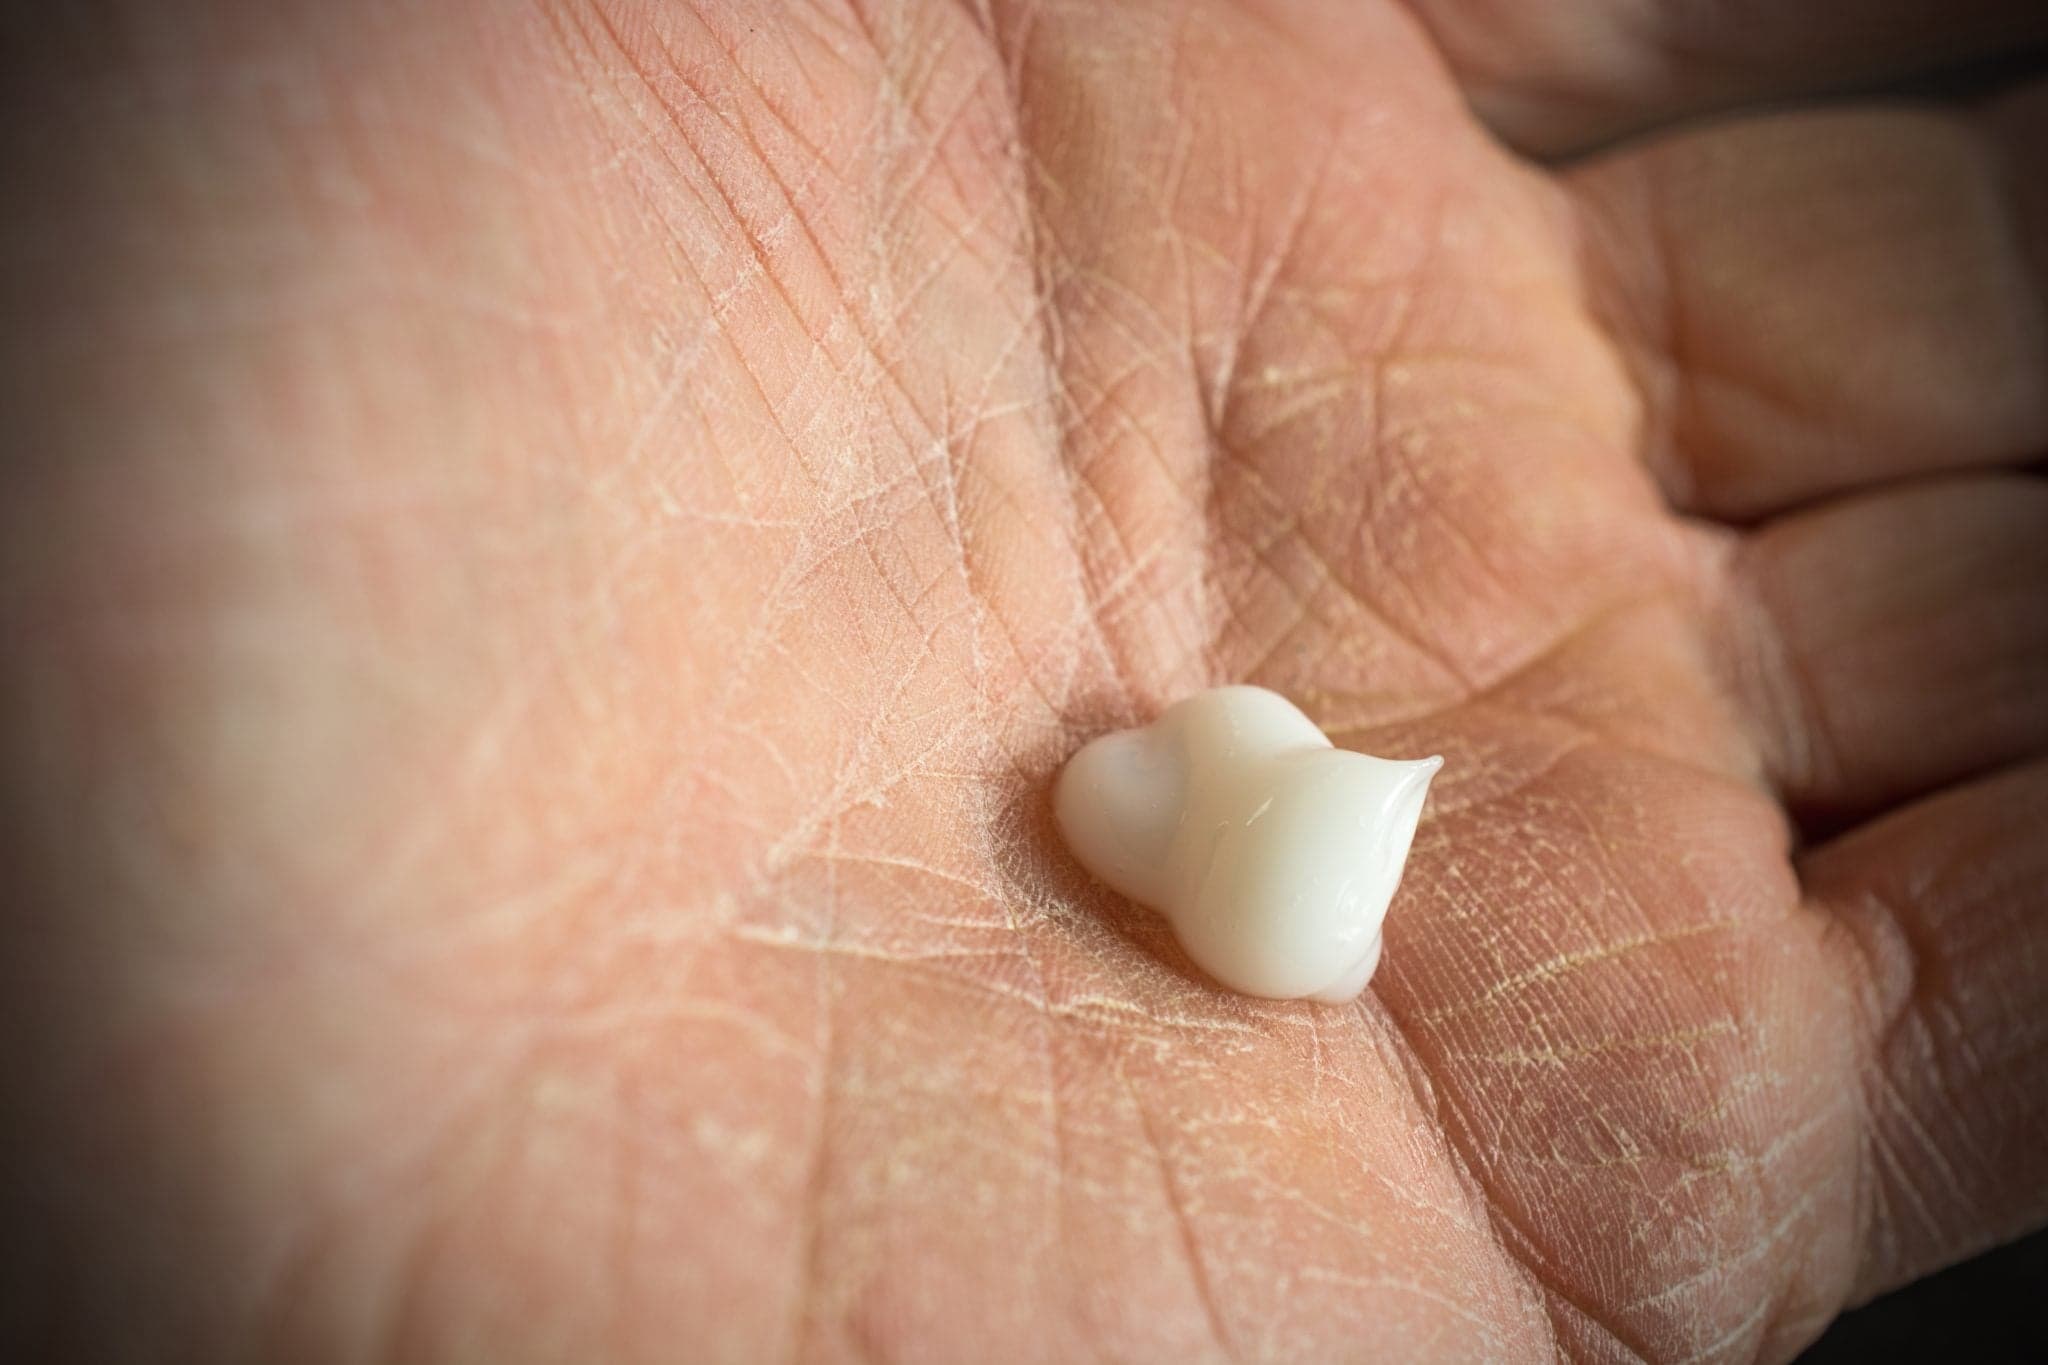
1273 854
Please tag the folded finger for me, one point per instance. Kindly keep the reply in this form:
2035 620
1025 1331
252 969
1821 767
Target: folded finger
1822 302
1556 77
1890 644
1943 912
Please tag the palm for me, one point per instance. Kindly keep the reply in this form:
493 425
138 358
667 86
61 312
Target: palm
678 947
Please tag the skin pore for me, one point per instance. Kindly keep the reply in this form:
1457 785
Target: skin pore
556 550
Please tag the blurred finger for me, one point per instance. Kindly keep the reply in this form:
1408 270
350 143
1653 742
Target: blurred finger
1821 302
1891 644
1558 77
1943 908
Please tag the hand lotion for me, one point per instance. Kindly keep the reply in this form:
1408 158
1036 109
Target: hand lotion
1272 853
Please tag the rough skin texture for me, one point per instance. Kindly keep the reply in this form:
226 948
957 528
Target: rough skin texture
552 551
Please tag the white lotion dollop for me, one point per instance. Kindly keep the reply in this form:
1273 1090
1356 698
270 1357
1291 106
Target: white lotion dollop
1272 853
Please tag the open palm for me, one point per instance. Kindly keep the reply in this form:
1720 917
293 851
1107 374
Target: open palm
560 548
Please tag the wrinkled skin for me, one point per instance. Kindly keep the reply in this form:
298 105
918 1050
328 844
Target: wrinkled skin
553 552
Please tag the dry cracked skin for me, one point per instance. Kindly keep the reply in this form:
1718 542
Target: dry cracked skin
553 550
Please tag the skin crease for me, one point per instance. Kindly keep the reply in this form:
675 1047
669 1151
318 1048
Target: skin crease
553 553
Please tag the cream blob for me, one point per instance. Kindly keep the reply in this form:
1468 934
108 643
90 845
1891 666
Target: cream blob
1272 853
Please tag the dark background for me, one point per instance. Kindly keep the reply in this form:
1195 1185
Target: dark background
1992 1310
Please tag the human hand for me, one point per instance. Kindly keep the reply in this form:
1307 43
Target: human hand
557 550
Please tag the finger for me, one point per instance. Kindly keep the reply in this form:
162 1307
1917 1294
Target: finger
1816 302
1891 644
1945 938
1558 77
